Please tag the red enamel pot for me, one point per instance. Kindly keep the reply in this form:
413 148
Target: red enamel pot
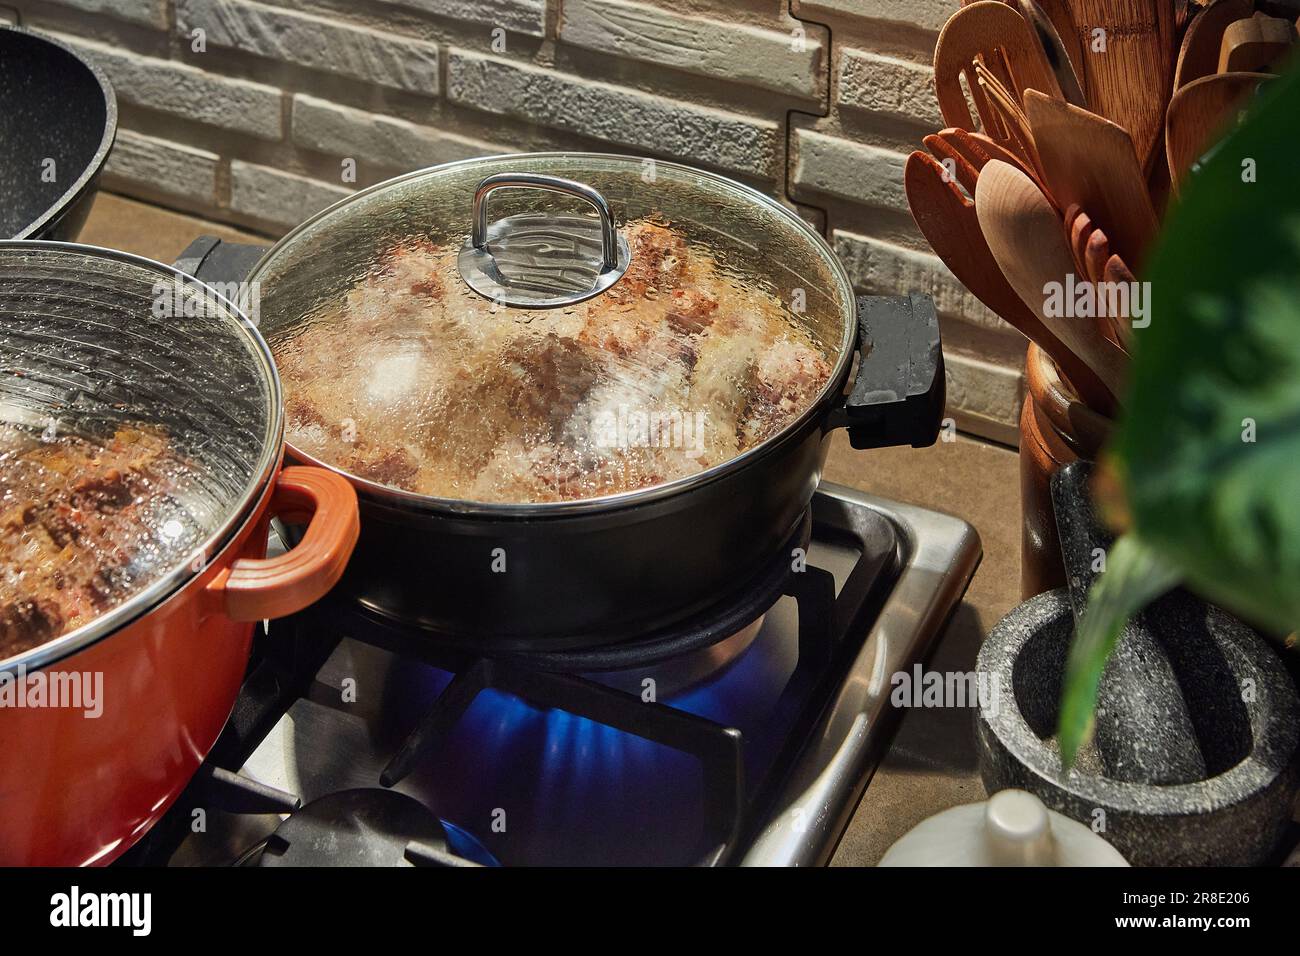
103 726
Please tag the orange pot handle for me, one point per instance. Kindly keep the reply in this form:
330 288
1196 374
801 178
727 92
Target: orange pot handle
256 589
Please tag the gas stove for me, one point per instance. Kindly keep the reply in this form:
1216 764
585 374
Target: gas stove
745 735
354 742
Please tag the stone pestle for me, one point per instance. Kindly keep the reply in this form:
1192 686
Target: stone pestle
1145 730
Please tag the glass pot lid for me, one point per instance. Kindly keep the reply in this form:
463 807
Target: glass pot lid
537 331
139 417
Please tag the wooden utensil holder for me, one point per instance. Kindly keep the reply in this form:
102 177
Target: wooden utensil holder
1055 429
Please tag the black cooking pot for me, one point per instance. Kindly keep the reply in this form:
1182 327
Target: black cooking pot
58 119
601 568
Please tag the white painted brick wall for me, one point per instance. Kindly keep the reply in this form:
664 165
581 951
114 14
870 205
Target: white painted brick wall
984 397
344 132
315 42
736 52
884 84
927 14
879 266
856 171
276 197
518 16
153 166
615 115
148 12
255 129
186 91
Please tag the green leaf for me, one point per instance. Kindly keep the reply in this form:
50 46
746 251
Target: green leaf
1209 449
1135 575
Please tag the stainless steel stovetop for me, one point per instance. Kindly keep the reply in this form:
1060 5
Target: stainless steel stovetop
752 751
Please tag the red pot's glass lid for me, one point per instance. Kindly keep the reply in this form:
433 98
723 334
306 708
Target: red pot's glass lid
139 416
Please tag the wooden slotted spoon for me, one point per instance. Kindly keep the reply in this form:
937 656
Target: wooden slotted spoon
997 37
1198 55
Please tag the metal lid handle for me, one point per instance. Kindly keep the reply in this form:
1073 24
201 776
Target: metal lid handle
541 260
555 184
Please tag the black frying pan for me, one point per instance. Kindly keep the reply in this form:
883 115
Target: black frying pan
53 106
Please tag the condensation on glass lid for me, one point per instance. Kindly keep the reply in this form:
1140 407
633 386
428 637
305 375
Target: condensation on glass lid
412 380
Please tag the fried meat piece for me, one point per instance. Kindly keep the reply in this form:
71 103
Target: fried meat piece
76 527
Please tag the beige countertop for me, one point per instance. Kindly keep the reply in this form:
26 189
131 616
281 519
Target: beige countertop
931 765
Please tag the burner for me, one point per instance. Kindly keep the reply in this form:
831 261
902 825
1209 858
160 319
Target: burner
368 827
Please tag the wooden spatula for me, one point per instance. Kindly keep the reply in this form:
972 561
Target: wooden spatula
948 221
1199 54
1078 227
1027 239
1129 67
1200 112
1118 272
1255 45
1000 37
1089 160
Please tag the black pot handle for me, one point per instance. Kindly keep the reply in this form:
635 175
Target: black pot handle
214 260
898 394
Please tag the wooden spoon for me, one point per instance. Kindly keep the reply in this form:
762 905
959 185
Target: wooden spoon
1027 239
1199 54
1088 160
1130 79
1200 112
1255 45
947 219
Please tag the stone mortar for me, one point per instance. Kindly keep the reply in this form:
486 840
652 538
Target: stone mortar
1235 817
